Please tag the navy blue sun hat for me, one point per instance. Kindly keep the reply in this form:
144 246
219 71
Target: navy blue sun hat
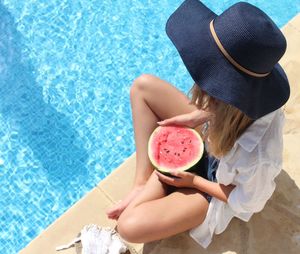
234 56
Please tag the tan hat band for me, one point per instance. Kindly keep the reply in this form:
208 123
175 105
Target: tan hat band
229 58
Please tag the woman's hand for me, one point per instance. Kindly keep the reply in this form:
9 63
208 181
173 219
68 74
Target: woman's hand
191 120
181 179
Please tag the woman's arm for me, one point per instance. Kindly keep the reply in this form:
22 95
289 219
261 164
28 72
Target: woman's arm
214 189
189 180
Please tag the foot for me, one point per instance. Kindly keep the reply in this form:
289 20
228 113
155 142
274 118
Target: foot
114 212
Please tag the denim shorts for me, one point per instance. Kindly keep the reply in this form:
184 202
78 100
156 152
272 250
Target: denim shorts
207 168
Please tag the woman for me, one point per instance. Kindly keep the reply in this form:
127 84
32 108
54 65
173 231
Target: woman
237 98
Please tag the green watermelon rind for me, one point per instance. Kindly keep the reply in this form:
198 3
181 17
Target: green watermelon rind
190 167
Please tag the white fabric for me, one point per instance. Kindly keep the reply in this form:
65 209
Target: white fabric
98 240
252 165
69 245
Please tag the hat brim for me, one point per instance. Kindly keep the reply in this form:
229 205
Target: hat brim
188 28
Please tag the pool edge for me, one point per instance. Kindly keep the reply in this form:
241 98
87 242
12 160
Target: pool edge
85 211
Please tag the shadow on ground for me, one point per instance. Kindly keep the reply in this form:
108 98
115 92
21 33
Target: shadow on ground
275 230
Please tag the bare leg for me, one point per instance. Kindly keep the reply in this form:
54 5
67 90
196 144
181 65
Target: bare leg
152 99
154 215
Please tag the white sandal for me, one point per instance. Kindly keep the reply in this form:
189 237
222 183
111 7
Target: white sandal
97 240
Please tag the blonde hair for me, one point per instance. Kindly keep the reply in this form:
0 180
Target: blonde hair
227 125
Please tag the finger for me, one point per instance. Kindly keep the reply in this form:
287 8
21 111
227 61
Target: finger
166 179
169 121
181 174
163 177
178 173
174 173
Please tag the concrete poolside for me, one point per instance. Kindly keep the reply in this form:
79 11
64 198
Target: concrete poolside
275 230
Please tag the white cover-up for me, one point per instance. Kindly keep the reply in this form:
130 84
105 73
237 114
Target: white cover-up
252 165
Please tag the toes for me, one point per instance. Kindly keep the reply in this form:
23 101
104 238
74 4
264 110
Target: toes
111 216
114 216
114 209
114 213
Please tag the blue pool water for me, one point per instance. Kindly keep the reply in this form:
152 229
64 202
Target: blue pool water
65 71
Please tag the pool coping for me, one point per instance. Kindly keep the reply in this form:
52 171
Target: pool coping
90 209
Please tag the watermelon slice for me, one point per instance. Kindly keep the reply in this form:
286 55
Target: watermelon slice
174 148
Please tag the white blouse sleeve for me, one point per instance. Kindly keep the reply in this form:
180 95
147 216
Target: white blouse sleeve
254 186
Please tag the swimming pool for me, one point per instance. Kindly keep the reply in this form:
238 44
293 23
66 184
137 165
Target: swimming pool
65 123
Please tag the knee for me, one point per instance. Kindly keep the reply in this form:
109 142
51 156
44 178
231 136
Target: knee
141 83
128 228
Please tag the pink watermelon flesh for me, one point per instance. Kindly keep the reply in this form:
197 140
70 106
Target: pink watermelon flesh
175 147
